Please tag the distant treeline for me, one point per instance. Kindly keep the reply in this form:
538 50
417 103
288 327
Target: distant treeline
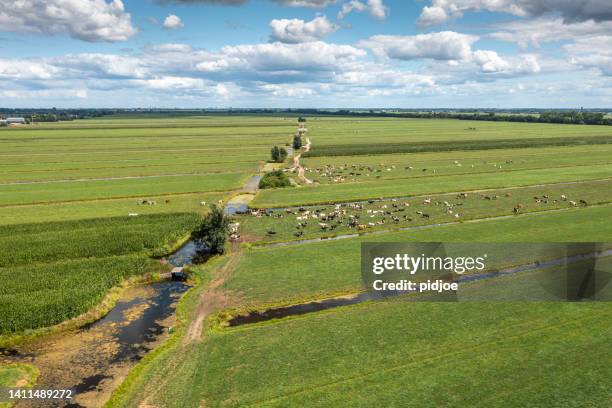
580 117
53 115
564 117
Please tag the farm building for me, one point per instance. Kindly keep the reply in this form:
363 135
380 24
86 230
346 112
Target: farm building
15 121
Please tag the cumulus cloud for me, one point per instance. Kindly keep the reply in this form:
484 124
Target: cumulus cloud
541 30
297 31
305 3
445 45
88 20
376 8
593 52
282 62
491 62
290 3
173 22
571 10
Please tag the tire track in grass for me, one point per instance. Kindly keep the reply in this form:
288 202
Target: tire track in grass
437 356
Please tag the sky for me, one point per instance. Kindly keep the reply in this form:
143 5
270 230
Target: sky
306 53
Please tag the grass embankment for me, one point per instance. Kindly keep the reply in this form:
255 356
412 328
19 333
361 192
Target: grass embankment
163 358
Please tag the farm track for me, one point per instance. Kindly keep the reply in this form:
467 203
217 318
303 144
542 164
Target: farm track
420 227
214 298
296 164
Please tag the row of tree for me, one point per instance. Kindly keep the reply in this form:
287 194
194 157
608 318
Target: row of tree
579 117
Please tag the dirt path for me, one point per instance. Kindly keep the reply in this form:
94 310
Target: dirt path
297 166
213 299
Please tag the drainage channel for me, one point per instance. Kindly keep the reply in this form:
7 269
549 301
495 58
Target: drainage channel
317 306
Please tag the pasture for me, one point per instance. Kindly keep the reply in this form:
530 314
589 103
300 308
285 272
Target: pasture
66 190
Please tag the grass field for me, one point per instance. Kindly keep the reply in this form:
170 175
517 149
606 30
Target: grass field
288 274
66 240
66 190
400 354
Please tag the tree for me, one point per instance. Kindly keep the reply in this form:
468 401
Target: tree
297 142
301 119
213 231
279 154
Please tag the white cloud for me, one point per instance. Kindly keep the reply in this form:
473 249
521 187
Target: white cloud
490 62
173 22
593 52
311 59
445 45
297 31
571 10
88 20
305 3
376 8
548 29
26 69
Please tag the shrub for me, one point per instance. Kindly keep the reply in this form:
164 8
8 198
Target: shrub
275 179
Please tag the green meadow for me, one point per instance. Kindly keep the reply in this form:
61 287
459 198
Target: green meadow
90 205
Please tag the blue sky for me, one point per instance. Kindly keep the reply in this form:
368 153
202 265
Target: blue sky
306 53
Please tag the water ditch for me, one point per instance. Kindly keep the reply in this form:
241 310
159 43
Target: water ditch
94 359
332 303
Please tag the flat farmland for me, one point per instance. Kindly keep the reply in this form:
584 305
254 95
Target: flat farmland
346 169
314 194
349 131
89 205
400 354
287 274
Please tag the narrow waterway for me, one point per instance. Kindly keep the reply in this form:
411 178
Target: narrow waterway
95 359
317 306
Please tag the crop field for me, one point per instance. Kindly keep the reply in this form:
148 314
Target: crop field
86 205
66 190
59 270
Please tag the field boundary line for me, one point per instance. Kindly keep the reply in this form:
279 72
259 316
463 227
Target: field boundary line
82 180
